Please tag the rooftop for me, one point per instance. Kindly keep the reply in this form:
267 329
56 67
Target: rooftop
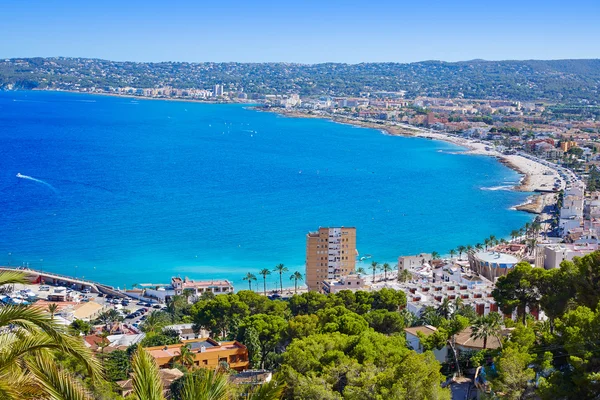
496 258
196 345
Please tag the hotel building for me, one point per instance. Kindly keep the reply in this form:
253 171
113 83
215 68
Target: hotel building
330 254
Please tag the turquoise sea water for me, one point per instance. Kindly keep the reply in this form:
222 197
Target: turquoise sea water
131 191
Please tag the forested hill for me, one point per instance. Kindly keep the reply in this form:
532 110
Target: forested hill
561 80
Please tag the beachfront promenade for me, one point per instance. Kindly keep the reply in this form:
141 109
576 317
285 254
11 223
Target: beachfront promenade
36 276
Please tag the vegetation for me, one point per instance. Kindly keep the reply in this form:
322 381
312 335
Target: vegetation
559 80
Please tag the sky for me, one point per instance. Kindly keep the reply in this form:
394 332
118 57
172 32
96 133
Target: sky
304 31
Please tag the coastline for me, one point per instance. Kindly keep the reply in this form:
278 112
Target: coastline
133 96
536 177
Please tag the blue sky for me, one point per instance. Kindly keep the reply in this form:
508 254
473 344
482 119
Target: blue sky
304 31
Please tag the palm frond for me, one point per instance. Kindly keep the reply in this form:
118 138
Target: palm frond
11 277
11 352
267 391
210 385
57 384
147 384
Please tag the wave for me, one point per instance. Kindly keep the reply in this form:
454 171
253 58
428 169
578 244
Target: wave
502 187
30 178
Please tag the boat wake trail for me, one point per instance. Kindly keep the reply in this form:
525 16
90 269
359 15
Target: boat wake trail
19 175
504 187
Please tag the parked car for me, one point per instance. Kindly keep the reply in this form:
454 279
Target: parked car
156 306
148 305
86 290
140 303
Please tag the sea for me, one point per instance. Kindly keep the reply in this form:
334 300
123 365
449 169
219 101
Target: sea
129 191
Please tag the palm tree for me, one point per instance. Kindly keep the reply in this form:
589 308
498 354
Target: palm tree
486 326
211 385
187 293
52 309
296 276
531 244
249 277
147 384
452 253
185 356
264 272
435 255
479 246
280 268
514 234
386 268
461 249
486 241
374 266
28 368
469 248
410 319
404 275
361 270
445 308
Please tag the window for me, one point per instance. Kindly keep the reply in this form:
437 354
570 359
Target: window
204 362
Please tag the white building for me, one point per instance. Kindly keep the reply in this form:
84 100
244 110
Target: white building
218 91
552 255
412 262
413 340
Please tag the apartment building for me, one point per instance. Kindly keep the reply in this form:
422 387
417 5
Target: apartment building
330 255
207 353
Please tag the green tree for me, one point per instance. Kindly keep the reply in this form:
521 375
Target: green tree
369 365
518 290
386 268
302 326
117 365
219 315
389 299
386 322
486 326
52 308
404 275
452 253
445 308
270 330
296 276
461 249
185 357
79 327
587 282
264 272
374 267
249 277
514 373
280 269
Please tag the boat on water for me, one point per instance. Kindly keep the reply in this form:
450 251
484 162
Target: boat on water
365 257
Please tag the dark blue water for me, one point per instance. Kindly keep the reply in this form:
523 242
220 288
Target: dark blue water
143 190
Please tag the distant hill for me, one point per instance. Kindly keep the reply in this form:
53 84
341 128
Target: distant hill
571 81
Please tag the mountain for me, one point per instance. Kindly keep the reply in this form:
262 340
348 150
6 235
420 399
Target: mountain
570 81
